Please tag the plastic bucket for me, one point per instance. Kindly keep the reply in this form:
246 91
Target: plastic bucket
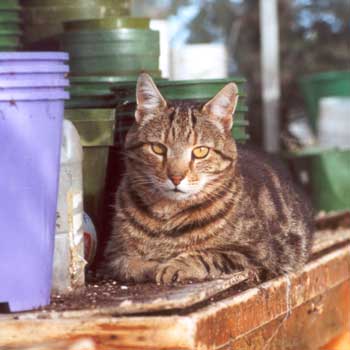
316 86
30 137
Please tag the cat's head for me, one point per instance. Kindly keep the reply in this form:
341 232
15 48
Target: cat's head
178 149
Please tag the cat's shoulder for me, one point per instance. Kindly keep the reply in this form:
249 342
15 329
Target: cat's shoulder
255 163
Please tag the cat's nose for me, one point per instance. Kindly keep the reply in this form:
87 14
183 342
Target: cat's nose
176 179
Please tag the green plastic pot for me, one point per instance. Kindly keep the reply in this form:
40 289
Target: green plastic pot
108 23
81 3
11 5
43 20
94 82
87 97
16 32
10 40
12 27
125 118
112 65
10 17
112 36
9 48
196 90
96 130
42 15
329 174
316 86
111 48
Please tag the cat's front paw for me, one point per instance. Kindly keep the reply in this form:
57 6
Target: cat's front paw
170 273
175 271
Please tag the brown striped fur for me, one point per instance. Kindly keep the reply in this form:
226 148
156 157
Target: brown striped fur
237 212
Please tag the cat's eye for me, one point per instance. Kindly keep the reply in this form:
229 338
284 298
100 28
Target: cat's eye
200 152
159 149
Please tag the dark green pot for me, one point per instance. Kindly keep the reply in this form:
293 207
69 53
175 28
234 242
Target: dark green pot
108 24
43 20
10 17
78 3
200 90
115 36
98 81
316 86
110 49
12 27
81 97
9 32
197 91
329 174
113 65
10 40
9 5
41 15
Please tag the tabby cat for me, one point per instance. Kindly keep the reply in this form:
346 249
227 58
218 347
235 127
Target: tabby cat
193 205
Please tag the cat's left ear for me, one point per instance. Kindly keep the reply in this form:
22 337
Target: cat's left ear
149 100
223 105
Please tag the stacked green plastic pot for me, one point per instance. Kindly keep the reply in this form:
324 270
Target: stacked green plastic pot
43 19
106 52
10 25
316 86
112 47
328 171
196 91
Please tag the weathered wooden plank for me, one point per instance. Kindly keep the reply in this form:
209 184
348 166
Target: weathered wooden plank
325 239
309 326
180 297
166 333
212 327
340 342
234 317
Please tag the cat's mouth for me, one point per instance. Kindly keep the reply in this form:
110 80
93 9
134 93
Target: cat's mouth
176 190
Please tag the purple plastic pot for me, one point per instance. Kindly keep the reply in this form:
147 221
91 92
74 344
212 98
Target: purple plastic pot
31 118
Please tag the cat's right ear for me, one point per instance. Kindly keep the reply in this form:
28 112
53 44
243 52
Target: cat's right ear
148 98
222 107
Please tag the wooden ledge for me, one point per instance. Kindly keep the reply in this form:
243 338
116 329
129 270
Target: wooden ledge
307 308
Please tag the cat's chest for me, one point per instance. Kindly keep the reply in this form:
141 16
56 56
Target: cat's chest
165 212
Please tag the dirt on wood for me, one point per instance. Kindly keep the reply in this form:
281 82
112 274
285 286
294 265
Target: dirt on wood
100 293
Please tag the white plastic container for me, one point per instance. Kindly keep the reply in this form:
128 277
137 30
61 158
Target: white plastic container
334 122
69 263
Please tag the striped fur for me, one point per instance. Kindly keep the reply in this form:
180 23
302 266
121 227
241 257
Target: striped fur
236 211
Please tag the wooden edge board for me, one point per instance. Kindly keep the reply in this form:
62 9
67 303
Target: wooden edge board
325 239
179 298
278 297
222 320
